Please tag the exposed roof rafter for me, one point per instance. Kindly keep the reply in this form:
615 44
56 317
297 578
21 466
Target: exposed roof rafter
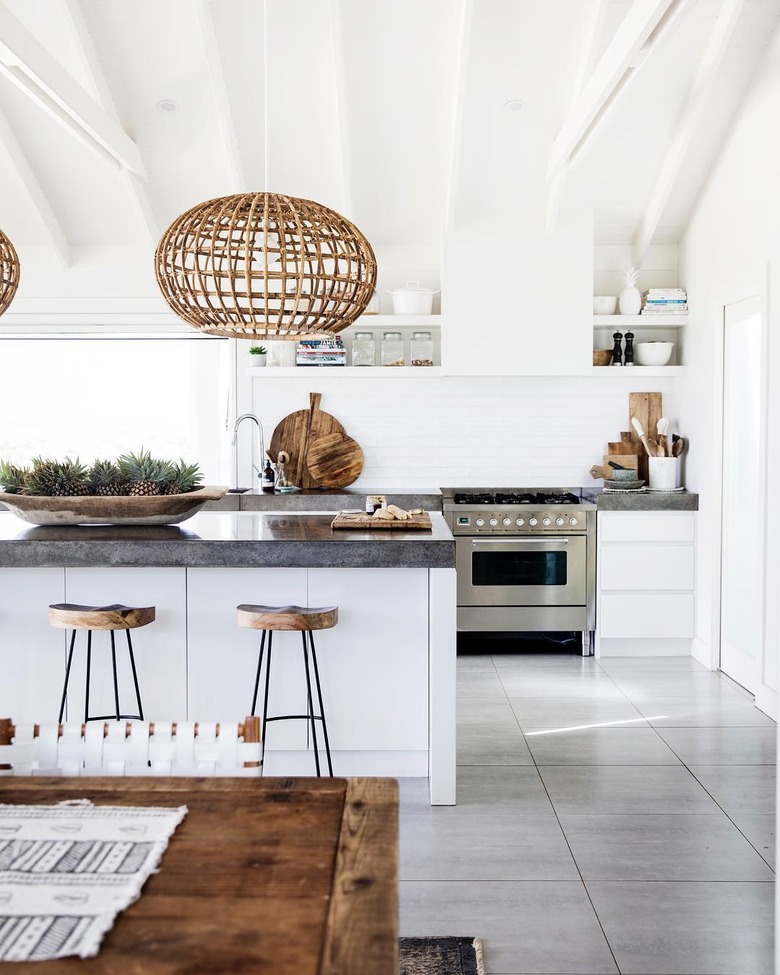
25 62
9 146
90 57
216 75
686 125
466 15
340 82
644 26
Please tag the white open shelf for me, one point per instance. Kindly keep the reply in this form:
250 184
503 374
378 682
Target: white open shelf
639 321
390 322
346 372
625 372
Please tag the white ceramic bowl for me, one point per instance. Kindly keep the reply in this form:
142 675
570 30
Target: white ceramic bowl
604 305
653 353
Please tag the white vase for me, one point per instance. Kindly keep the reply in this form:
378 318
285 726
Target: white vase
630 301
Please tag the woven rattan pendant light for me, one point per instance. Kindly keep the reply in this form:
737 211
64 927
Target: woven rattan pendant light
9 272
265 266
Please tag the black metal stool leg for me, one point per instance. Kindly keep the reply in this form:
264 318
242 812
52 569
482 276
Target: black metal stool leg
257 675
310 708
89 667
264 722
135 677
67 677
322 706
113 669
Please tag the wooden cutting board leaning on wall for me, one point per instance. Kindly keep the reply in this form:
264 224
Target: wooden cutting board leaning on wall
648 409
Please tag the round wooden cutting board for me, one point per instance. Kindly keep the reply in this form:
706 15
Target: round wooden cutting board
295 432
334 460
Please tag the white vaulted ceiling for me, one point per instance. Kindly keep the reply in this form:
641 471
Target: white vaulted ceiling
393 112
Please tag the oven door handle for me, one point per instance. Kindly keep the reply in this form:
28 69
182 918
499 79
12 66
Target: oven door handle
520 541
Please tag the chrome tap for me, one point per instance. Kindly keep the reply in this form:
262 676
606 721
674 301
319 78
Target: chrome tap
234 443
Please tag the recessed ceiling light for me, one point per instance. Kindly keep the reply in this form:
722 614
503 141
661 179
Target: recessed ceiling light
168 105
514 105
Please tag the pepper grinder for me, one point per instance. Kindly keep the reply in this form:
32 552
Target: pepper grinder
617 351
628 358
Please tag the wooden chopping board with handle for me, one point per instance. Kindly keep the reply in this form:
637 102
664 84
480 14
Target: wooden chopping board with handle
295 432
648 409
334 460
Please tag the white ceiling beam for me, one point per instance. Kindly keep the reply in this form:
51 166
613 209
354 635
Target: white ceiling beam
216 75
594 25
644 25
458 86
9 146
696 103
89 56
25 62
340 82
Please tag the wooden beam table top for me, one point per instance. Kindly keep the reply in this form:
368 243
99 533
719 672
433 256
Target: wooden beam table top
282 876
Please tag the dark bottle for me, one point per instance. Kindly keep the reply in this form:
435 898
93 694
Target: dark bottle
268 478
628 358
617 351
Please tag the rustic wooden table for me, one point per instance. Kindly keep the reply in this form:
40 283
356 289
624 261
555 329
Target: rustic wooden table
282 876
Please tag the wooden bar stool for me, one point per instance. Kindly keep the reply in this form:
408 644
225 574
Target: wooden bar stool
70 616
305 620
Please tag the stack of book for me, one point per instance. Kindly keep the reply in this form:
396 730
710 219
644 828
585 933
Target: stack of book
665 301
321 352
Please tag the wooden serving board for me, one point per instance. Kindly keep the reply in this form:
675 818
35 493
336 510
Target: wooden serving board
293 435
335 460
359 521
648 409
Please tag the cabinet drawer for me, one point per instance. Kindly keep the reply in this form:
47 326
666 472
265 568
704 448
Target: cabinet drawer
647 526
645 615
647 567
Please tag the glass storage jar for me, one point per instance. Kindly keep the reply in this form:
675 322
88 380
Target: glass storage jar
422 349
364 349
392 349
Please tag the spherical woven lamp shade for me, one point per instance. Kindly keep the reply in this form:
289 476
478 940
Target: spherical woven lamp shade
260 265
9 272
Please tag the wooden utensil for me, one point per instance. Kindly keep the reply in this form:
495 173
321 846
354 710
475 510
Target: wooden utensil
648 410
678 445
334 460
293 435
650 445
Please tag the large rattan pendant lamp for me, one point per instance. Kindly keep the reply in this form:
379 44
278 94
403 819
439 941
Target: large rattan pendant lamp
9 272
265 266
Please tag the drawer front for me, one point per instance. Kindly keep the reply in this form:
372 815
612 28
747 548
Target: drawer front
646 615
647 567
647 526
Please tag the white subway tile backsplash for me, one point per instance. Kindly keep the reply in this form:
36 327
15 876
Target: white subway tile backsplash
440 431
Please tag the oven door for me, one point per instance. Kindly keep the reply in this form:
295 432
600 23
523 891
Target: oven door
521 571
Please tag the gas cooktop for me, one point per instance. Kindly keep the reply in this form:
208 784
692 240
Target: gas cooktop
544 497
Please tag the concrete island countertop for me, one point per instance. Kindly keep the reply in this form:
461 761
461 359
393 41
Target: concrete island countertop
325 500
226 539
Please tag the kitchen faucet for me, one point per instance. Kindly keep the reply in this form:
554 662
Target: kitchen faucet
234 443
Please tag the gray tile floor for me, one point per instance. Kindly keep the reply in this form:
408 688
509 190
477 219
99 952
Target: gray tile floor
613 816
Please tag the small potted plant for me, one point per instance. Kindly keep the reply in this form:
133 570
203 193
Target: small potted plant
259 355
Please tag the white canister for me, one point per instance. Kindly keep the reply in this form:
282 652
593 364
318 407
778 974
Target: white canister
663 473
413 299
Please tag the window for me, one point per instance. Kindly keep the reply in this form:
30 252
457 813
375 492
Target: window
67 395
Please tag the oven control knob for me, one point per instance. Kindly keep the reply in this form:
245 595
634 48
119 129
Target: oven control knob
572 521
532 521
560 521
494 522
480 522
547 522
519 522
507 521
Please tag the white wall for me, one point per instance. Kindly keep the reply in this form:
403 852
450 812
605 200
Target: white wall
431 432
731 251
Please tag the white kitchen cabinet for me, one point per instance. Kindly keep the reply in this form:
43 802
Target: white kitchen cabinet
32 654
160 649
646 574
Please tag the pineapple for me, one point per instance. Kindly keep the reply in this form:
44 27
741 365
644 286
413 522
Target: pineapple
13 478
184 478
145 474
630 300
106 481
52 478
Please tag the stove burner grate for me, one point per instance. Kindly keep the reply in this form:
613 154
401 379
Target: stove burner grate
473 499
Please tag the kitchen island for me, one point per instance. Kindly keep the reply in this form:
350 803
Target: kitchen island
388 668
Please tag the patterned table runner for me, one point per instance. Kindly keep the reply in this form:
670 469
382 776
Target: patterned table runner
67 870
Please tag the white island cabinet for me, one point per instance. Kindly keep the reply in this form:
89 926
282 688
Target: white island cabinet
646 571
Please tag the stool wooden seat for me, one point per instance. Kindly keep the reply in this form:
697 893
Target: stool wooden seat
71 616
287 617
75 617
303 619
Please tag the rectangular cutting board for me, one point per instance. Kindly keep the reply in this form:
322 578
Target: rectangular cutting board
359 521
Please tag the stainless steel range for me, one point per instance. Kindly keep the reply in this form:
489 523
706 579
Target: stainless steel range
525 559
